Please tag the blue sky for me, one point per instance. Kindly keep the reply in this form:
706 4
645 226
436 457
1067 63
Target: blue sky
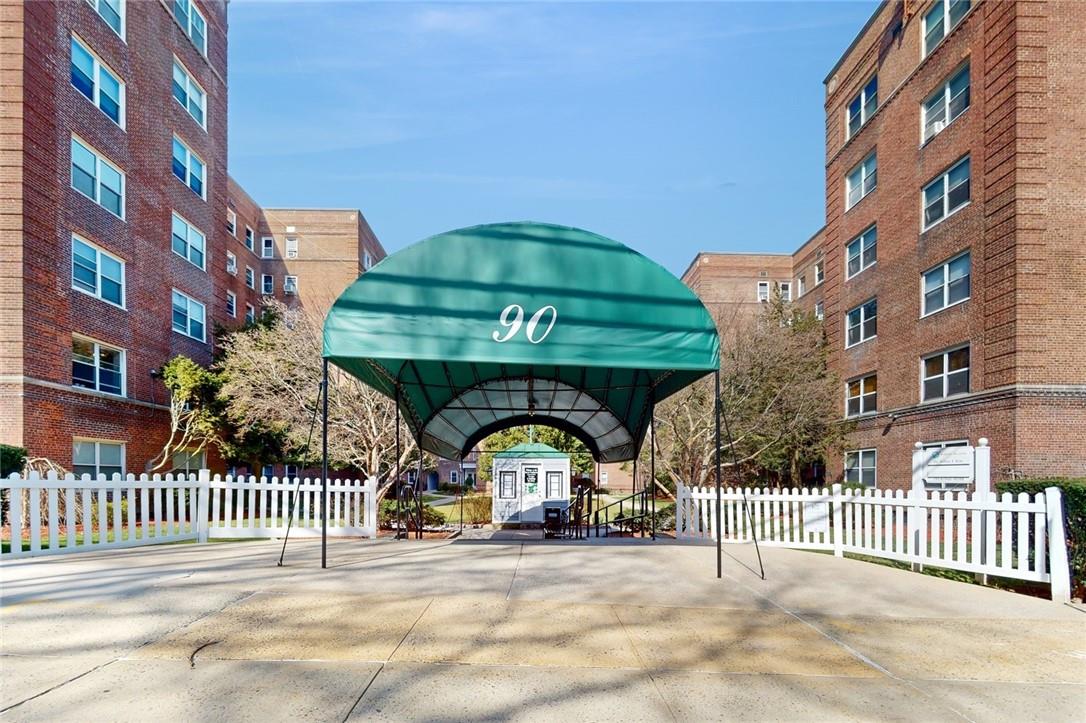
673 128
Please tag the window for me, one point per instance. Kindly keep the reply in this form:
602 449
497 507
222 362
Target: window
97 458
801 286
187 461
454 478
946 374
267 284
250 277
862 252
188 167
819 311
267 470
944 105
248 238
192 22
231 263
944 445
820 272
96 81
96 178
785 289
861 181
187 241
232 304
861 396
507 489
946 284
232 222
250 314
367 260
188 316
267 247
290 285
763 291
860 467
554 485
290 471
112 11
97 366
946 194
292 248
97 272
188 93
863 106
943 17
861 323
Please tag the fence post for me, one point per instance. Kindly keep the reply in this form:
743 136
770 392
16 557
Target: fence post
1059 573
371 506
982 490
917 517
203 497
836 503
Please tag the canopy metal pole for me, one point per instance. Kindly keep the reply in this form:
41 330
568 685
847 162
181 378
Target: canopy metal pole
719 535
324 469
396 479
418 492
461 494
652 461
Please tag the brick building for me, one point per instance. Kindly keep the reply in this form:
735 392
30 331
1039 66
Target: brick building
955 203
122 239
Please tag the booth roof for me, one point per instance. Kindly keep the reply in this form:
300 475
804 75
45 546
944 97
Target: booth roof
477 330
526 450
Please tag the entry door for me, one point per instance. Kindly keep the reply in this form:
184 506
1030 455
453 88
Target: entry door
531 494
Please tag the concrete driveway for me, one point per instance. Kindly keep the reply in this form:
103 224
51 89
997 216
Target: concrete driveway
527 631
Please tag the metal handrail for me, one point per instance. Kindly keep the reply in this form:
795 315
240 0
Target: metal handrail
411 501
639 509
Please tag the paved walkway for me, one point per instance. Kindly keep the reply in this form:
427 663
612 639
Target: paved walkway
528 631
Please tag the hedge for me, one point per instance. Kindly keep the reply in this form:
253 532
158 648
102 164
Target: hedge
12 459
1074 519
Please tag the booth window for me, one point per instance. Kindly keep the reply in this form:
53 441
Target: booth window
507 488
554 485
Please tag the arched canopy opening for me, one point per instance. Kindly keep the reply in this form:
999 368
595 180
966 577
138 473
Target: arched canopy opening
489 327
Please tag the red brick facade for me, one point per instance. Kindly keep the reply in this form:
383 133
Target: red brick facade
1022 227
42 110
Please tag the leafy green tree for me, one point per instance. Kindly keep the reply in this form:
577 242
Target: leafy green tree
197 412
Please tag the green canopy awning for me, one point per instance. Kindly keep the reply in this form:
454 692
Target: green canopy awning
494 326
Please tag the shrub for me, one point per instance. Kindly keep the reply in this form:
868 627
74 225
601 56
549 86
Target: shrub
386 517
1074 519
12 459
477 509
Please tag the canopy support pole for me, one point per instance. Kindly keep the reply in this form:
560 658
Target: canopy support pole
324 467
461 494
396 478
418 491
652 460
719 531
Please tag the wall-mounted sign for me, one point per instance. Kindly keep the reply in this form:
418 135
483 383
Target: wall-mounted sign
531 481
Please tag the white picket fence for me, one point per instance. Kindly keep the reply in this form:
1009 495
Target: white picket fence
57 515
1013 537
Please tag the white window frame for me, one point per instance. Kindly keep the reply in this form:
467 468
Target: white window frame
232 304
861 169
862 96
503 477
862 308
232 221
861 244
367 260
187 180
201 94
187 24
801 286
97 67
819 310
99 252
188 469
98 454
291 245
290 471
944 179
784 288
943 94
763 291
250 278
819 272
250 239
860 467
267 247
190 302
190 230
925 49
99 161
944 267
231 263
250 314
267 284
97 5
290 285
98 345
945 374
862 396
267 471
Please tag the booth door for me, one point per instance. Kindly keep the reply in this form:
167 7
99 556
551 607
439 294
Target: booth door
506 499
531 494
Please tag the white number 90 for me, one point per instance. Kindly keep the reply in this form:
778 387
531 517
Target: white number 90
512 317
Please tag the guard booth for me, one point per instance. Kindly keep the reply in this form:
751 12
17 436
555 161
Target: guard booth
527 478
